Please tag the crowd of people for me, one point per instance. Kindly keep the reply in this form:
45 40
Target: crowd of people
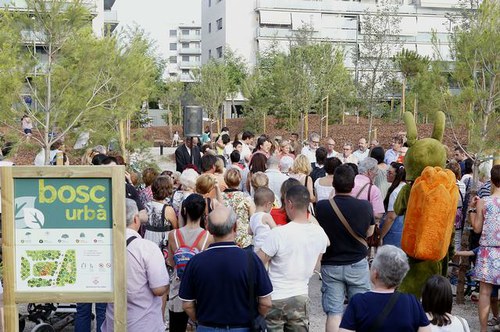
244 223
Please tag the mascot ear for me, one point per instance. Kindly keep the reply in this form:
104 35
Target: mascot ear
439 124
411 128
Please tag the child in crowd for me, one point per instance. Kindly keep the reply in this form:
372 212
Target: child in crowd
261 221
259 180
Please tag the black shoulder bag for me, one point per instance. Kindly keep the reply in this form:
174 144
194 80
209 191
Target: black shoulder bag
258 322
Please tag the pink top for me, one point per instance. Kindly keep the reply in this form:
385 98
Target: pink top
145 270
376 199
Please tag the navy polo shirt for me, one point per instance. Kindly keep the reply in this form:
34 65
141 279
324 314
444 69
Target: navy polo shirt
217 279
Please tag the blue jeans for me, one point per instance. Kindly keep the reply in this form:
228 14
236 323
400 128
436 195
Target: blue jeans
342 280
202 328
83 316
394 234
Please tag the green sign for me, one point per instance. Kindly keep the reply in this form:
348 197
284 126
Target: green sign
62 203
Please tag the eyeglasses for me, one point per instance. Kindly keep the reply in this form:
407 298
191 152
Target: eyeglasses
315 142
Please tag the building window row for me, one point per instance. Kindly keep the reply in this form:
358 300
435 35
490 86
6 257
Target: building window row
219 52
219 24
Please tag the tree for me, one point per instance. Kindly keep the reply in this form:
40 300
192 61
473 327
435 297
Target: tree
380 30
410 64
211 88
476 49
77 82
237 73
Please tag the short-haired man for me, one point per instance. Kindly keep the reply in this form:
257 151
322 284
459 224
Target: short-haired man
365 189
186 154
276 178
344 267
295 145
214 287
392 154
459 155
362 151
346 156
236 163
247 139
147 280
330 148
292 252
374 143
310 150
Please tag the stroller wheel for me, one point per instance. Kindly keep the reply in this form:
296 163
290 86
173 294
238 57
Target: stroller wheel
43 327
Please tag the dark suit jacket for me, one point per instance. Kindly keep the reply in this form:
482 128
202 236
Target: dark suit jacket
183 158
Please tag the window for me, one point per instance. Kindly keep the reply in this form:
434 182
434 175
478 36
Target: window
173 46
209 27
173 33
185 58
185 32
210 54
219 24
219 52
197 58
197 32
185 45
209 3
195 45
173 59
185 71
173 74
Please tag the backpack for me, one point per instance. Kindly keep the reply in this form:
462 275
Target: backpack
184 253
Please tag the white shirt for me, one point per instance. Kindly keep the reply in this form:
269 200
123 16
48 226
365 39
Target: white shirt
245 151
259 230
276 179
394 195
309 153
455 326
351 159
332 154
322 192
294 250
360 155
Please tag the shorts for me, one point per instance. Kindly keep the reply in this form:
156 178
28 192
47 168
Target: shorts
290 314
342 280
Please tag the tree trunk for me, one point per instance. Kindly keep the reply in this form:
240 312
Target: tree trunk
370 125
403 99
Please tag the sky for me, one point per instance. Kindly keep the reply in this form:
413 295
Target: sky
157 17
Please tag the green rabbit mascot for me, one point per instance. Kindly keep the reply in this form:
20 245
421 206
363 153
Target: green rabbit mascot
428 201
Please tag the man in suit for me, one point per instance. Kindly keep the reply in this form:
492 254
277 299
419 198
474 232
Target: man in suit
187 153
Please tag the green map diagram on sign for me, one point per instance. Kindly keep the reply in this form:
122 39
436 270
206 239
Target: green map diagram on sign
46 268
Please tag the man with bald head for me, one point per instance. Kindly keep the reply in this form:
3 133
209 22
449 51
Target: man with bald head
214 288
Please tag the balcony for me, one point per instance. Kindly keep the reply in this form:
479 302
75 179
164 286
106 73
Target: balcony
190 64
325 34
110 20
189 38
187 78
190 50
21 5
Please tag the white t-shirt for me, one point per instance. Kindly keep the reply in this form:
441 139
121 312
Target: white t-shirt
455 326
245 151
294 250
259 230
394 195
360 155
309 153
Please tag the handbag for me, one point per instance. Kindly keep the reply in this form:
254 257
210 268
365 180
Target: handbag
258 321
373 240
345 223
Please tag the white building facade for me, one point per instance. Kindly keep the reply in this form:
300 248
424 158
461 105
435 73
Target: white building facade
252 26
184 52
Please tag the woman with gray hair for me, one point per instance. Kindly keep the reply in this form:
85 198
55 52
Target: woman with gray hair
383 308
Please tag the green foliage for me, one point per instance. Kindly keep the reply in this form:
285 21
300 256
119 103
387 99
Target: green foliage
476 48
171 100
82 83
294 84
212 87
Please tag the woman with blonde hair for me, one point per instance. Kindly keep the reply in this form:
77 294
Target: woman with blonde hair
241 203
285 148
205 184
259 179
300 170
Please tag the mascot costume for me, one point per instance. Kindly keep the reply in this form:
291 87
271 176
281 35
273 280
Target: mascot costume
429 203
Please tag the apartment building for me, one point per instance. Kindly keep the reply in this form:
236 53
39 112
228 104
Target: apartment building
184 52
252 26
